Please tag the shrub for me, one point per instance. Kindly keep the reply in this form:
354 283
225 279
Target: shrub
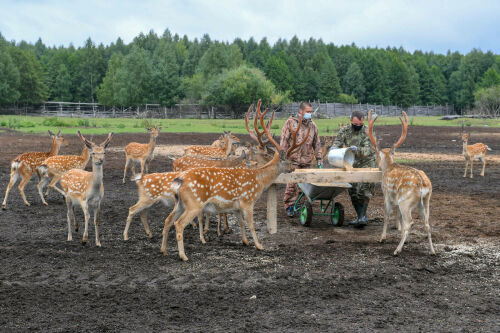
82 123
54 122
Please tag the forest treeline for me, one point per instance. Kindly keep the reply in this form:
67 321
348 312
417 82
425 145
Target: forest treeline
168 69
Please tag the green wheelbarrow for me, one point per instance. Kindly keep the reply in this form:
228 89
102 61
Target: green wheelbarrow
325 193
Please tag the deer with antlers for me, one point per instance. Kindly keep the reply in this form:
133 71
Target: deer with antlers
218 190
223 151
141 152
403 187
86 189
26 164
473 152
54 166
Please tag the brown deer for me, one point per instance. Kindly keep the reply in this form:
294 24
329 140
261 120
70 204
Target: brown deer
26 164
472 152
54 166
224 151
403 187
218 190
141 152
152 188
220 142
85 189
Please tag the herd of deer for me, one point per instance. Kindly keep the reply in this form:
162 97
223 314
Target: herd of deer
208 180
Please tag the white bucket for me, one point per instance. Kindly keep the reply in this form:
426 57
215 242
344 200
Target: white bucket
341 157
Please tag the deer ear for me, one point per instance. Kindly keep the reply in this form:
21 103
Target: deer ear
51 134
59 133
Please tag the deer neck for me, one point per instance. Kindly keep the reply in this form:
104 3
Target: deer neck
152 143
229 144
96 178
267 173
54 150
464 150
85 155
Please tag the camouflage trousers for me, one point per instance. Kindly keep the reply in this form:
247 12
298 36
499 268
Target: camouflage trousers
292 191
361 191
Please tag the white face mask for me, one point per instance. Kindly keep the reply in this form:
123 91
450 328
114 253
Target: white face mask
307 116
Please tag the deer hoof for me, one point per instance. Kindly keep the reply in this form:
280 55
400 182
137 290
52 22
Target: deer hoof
183 257
259 247
4 207
27 204
382 240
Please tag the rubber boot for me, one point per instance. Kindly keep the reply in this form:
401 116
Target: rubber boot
362 220
356 203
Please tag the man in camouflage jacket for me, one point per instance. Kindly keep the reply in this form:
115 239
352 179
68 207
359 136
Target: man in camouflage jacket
302 158
355 136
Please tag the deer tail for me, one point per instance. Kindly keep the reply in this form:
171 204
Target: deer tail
488 148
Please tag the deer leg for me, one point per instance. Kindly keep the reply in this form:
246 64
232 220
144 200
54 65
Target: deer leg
219 233
143 162
207 223
243 232
70 210
424 212
200 222
138 207
406 224
226 226
41 184
86 213
174 215
14 176
25 179
125 170
399 218
148 163
466 165
97 210
388 210
74 218
144 218
186 217
484 165
471 163
249 218
52 185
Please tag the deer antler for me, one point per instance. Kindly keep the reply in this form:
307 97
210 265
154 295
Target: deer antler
256 126
370 130
247 118
404 123
294 138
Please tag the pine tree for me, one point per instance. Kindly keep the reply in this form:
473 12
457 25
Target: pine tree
329 84
354 82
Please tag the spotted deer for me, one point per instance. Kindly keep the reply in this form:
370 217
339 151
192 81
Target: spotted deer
86 189
141 152
26 164
54 166
403 186
472 152
218 190
224 151
152 188
220 142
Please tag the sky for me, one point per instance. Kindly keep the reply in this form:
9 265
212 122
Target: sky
436 26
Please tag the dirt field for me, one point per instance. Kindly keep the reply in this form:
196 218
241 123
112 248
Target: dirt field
321 278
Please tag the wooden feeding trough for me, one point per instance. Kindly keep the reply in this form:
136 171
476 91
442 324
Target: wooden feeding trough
325 177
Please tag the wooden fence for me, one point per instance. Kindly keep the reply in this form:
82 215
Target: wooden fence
197 111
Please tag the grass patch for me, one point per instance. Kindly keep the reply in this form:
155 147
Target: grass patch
237 126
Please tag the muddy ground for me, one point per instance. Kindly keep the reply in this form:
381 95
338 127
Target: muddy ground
321 278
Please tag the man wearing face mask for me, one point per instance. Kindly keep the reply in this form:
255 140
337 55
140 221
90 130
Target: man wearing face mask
355 136
302 158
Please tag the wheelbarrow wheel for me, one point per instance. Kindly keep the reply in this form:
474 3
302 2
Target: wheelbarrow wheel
337 215
306 213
